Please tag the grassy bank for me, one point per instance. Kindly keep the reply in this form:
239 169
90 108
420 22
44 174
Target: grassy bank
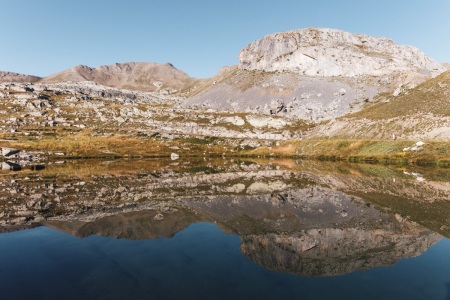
84 144
436 153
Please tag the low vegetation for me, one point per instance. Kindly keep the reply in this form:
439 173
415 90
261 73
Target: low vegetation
374 151
431 97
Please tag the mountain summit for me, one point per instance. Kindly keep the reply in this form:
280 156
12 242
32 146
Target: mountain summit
330 52
141 76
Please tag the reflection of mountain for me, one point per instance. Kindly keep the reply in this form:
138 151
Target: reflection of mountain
137 225
335 251
302 222
317 231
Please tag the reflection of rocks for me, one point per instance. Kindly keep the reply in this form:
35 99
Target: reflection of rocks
133 226
10 166
102 196
289 211
290 221
18 156
316 231
335 251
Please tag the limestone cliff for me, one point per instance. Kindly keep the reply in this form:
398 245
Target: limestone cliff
330 52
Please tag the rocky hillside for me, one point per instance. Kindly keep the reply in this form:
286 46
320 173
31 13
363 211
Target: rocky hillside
419 113
362 87
41 111
141 76
16 77
315 74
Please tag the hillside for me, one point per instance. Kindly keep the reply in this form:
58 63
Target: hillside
314 74
16 77
141 76
432 96
419 113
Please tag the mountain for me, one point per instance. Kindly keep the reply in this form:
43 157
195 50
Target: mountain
142 76
314 74
328 52
314 82
16 77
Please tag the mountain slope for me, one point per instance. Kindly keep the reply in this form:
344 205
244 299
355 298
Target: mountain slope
314 74
140 76
16 77
419 113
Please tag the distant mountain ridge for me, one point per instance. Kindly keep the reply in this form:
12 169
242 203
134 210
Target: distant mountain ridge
142 76
16 77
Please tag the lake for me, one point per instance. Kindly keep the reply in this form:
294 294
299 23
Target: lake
224 229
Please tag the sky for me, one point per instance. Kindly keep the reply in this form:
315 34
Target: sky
42 37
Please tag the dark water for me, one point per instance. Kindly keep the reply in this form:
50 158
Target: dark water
241 231
200 262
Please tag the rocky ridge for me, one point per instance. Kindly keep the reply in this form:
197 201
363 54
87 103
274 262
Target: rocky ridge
141 76
16 77
418 113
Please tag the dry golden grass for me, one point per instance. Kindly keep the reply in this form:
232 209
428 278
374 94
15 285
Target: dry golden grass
431 96
437 152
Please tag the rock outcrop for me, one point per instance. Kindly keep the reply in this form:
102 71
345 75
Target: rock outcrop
331 52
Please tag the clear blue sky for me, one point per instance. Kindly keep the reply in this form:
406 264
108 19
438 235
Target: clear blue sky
41 37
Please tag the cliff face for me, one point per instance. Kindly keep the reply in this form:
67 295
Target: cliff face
330 52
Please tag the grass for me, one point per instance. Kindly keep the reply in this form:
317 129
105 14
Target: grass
356 150
429 97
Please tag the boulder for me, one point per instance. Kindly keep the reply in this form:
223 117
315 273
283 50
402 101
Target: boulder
6 152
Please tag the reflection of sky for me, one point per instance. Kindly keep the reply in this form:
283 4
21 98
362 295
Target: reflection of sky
200 262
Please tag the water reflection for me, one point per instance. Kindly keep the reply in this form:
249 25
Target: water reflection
300 217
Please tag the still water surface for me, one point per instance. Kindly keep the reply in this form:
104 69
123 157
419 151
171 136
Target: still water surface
228 230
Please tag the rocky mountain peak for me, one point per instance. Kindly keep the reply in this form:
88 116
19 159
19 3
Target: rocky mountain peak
143 76
328 52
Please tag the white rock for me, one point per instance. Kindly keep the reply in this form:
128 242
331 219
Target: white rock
236 120
329 52
237 188
257 121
